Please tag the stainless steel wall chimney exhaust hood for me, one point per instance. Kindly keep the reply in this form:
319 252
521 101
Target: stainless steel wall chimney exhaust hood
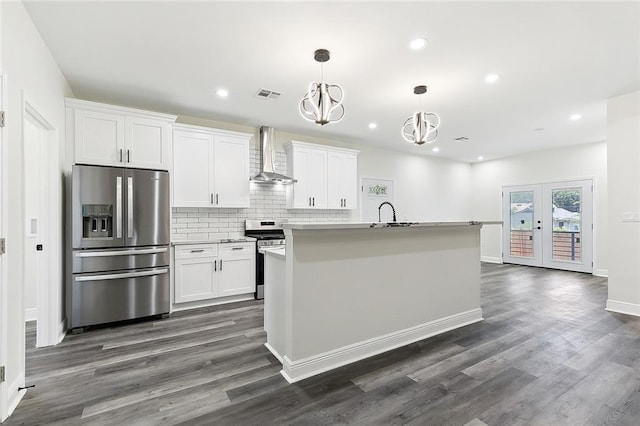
267 173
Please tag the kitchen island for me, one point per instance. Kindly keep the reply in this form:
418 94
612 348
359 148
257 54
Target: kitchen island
341 292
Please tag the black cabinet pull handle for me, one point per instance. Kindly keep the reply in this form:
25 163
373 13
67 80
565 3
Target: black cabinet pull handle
221 264
215 265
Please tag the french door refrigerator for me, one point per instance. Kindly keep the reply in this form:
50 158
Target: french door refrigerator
120 245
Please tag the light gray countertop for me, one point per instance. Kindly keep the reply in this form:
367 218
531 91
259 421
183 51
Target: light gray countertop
365 225
215 241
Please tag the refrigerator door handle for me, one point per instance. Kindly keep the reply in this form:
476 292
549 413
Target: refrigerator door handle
120 252
129 206
120 276
119 207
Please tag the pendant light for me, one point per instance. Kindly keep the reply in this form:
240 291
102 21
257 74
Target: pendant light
421 127
319 104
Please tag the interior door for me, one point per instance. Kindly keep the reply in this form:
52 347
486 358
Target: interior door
550 225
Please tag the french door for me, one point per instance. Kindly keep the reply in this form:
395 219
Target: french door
549 225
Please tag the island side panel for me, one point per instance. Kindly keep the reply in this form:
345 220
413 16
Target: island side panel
275 307
351 285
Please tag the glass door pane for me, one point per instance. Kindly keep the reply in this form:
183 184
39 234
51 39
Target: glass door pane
567 221
521 220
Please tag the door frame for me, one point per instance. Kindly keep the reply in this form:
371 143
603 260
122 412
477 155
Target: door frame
48 296
544 259
4 332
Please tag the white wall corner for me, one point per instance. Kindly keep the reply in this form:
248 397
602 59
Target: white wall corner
491 259
601 273
623 307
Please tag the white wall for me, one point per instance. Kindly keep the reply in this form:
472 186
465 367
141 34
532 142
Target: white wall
578 161
426 188
32 74
623 153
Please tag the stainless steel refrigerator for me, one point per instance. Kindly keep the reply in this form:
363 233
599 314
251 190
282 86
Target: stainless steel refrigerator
120 245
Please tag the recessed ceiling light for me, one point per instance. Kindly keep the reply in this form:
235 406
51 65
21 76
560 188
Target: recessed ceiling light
575 117
481 158
492 78
435 149
222 93
372 125
418 43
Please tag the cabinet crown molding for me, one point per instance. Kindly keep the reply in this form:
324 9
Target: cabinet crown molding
292 144
212 130
97 106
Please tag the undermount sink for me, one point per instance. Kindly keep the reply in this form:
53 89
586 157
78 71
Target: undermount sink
399 223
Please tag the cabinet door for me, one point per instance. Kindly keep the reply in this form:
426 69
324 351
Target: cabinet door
335 197
99 138
349 180
195 279
237 269
317 167
192 169
299 197
146 143
231 172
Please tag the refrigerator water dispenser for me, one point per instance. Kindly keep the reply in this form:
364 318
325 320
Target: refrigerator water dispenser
97 220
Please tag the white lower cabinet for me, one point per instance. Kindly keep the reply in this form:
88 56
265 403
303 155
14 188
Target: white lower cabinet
212 270
237 274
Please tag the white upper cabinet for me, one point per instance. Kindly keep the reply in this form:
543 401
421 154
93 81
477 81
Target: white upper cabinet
109 135
210 167
326 176
231 171
342 179
192 168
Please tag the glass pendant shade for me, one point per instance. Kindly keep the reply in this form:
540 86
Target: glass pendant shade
322 104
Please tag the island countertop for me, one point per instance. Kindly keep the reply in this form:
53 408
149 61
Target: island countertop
377 225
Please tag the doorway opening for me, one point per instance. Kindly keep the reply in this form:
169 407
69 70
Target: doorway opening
549 225
40 213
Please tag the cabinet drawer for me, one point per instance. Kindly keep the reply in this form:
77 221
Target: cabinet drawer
237 250
196 251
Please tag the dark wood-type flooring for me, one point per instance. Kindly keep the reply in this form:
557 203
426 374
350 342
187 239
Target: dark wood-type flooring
547 353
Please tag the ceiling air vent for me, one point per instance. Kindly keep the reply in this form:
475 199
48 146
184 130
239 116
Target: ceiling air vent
461 139
268 94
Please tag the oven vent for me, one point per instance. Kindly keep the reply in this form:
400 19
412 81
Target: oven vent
268 94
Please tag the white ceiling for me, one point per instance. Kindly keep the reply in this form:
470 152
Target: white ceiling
555 59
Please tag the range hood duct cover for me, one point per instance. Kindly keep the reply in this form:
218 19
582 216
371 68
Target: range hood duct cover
267 160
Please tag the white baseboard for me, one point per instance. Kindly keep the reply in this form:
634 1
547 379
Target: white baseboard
15 396
601 273
490 259
273 351
175 307
623 307
294 371
31 314
62 331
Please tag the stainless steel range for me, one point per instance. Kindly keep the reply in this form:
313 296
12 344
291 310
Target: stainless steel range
268 233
